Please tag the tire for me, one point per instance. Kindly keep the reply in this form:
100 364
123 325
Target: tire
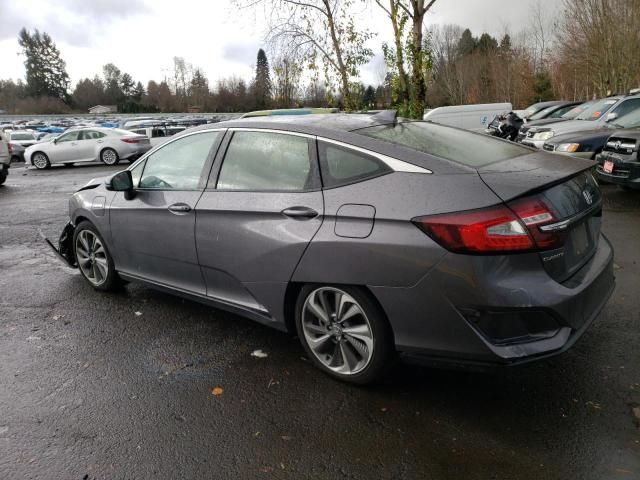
40 161
109 156
357 348
4 173
94 260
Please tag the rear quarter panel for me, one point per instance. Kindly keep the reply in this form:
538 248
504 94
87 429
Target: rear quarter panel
396 253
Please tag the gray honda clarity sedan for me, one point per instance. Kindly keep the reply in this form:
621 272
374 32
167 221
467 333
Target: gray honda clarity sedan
369 237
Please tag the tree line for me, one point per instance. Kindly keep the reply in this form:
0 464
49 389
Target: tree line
317 50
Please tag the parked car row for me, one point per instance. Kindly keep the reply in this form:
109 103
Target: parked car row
606 130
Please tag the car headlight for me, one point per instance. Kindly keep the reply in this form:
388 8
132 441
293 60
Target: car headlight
543 135
568 147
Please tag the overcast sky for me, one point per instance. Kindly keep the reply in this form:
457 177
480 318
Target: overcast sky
142 36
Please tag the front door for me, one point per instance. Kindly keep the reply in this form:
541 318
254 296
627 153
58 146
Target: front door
154 233
64 148
257 216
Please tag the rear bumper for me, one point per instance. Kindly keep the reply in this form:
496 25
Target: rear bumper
442 331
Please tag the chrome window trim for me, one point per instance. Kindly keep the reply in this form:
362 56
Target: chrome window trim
393 163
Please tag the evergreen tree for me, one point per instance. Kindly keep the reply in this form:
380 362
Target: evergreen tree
112 81
126 84
505 43
487 43
369 98
467 43
542 87
46 71
138 92
262 82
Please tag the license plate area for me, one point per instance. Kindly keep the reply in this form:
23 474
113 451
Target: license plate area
608 166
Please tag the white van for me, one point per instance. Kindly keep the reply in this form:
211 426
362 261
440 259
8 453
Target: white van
469 117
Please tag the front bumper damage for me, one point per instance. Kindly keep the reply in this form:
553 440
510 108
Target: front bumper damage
65 246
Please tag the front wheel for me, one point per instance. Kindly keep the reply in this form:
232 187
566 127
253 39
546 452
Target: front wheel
109 156
40 161
93 258
344 332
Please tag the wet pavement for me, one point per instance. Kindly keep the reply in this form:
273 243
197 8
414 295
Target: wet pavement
115 386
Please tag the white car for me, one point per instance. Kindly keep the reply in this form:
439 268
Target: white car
158 133
24 138
5 157
108 145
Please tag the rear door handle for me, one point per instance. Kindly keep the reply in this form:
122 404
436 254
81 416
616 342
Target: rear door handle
300 213
179 208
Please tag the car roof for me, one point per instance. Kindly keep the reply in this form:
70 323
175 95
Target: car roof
311 124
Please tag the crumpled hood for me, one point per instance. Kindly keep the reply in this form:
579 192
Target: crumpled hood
93 183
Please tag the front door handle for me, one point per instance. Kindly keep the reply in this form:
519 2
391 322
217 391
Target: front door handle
300 213
179 208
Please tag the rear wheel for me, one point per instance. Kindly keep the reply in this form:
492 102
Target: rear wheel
4 172
109 156
40 161
93 258
344 332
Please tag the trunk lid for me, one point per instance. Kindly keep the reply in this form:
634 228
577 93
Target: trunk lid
565 185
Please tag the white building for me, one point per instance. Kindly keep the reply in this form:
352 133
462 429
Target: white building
100 109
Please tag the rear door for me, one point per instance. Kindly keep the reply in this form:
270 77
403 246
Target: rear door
261 208
154 233
87 143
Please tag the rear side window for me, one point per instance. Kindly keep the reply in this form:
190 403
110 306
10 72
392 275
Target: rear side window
341 166
264 161
471 149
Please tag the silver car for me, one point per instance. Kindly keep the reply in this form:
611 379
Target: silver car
368 237
108 145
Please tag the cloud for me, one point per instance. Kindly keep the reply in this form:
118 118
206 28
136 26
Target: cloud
244 53
76 22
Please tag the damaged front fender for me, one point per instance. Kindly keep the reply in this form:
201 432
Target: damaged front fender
65 246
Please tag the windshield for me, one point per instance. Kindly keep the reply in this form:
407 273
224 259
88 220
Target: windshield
599 108
630 120
575 111
542 113
468 148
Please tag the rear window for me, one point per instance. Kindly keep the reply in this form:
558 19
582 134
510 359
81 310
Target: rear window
22 136
467 148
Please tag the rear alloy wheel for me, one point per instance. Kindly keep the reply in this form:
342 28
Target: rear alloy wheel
344 333
109 156
40 161
93 258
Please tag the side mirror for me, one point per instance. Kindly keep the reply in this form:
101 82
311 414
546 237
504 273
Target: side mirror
122 182
611 117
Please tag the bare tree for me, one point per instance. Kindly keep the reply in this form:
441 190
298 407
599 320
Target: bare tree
323 29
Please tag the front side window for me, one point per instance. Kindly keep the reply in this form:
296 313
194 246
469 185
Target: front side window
265 161
178 165
68 137
341 166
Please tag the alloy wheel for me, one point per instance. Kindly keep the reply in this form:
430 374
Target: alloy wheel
337 330
109 157
39 161
92 257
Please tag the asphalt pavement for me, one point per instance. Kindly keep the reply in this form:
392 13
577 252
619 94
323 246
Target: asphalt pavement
121 386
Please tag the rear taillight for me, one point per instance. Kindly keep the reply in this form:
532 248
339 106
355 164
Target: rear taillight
498 229
10 147
130 140
535 213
